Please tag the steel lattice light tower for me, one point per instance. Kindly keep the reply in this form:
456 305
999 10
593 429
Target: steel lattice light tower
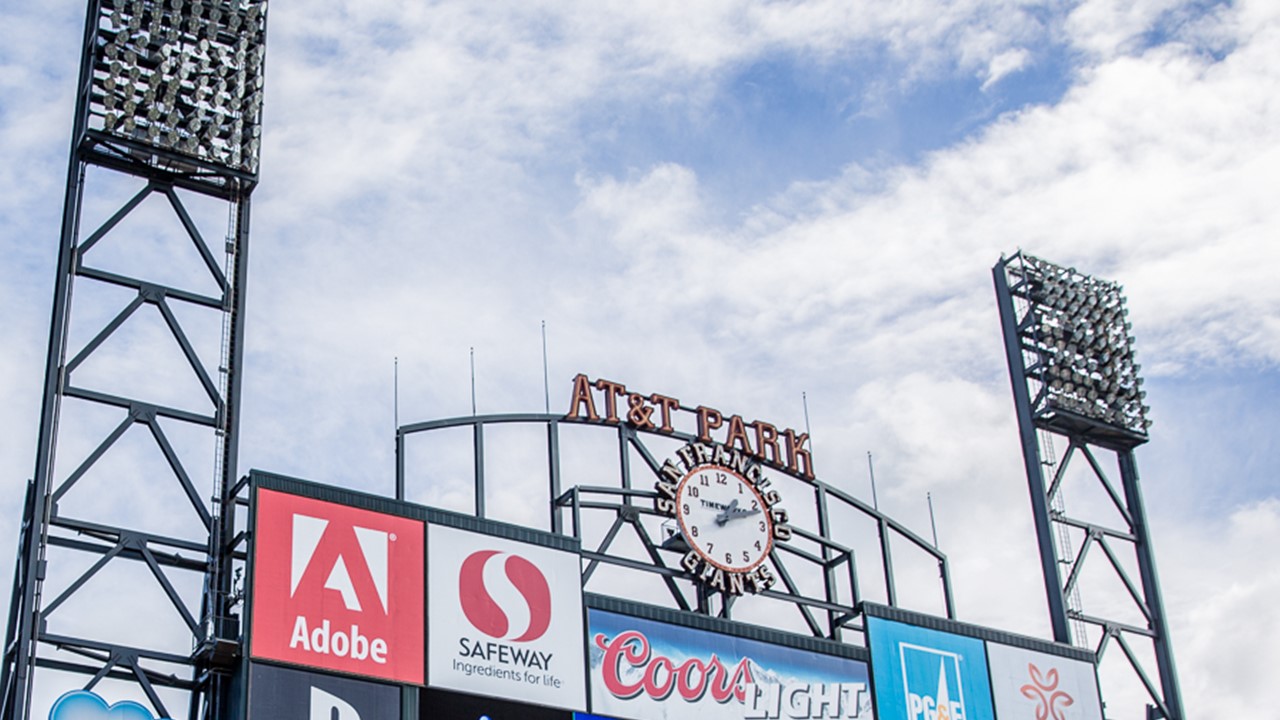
169 98
1071 361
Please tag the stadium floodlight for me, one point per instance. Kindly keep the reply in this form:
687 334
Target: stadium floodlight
181 77
1075 335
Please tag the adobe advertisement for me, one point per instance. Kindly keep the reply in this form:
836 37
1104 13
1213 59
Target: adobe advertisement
337 588
651 670
505 618
1039 686
923 674
278 693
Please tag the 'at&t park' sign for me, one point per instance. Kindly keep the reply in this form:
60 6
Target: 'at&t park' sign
606 401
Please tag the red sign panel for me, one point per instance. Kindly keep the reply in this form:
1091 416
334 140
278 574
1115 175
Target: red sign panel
338 588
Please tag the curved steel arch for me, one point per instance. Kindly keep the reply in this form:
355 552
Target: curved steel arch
825 614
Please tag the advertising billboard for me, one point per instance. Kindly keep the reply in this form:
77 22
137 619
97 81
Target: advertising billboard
923 674
287 694
338 588
1030 685
445 705
505 618
650 670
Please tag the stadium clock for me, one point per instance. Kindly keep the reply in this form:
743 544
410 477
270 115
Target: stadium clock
727 513
722 518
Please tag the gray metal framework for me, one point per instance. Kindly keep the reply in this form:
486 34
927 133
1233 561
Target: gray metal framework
1075 384
168 97
629 509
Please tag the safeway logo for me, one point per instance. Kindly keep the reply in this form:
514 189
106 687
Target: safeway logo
371 547
504 596
338 587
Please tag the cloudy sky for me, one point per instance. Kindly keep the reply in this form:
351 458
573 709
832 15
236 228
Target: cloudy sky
739 204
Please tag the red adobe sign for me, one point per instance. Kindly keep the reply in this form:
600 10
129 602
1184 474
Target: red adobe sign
338 588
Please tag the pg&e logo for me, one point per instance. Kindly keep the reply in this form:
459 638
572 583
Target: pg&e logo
338 587
932 683
928 673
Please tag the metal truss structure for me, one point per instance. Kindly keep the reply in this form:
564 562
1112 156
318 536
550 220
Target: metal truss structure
1080 416
168 101
616 523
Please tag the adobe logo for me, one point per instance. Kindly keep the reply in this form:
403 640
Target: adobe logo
338 587
372 548
504 596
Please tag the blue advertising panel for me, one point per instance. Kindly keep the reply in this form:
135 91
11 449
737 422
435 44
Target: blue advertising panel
650 670
923 674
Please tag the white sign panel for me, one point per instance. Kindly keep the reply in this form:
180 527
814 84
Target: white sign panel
1039 686
504 619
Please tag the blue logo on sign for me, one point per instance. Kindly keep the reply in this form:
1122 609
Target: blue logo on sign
932 683
923 674
84 705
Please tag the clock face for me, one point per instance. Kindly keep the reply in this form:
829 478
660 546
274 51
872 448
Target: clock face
723 518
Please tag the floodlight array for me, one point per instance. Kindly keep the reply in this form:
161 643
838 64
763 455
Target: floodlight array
183 76
1078 327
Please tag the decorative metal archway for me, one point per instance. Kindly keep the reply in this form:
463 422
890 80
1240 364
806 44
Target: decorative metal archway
826 608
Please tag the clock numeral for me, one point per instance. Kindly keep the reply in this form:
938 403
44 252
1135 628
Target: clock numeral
758 545
710 546
755 505
722 479
693 531
762 527
746 556
728 557
741 489
693 492
702 479
686 511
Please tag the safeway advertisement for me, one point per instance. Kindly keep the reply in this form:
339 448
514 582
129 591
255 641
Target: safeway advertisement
650 670
505 619
337 587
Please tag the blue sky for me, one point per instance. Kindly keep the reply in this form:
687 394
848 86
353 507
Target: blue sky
736 203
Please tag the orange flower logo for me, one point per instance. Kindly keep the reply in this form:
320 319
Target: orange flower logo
1043 688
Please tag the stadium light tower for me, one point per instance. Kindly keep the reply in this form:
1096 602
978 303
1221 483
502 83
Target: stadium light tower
1071 361
168 99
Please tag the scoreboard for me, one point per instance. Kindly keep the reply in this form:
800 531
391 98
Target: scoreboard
365 608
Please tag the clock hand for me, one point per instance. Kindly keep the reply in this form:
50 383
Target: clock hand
727 513
733 511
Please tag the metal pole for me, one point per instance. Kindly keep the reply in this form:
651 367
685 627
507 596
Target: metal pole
804 398
20 655
1151 586
871 470
546 381
1031 458
933 523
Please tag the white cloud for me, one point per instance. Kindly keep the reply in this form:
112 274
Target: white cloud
1224 624
425 192
1005 64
